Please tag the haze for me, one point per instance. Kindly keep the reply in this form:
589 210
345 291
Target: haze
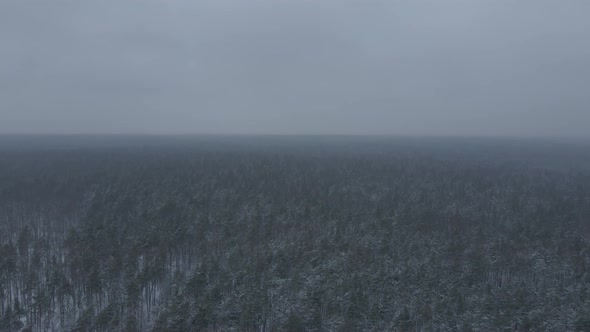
517 68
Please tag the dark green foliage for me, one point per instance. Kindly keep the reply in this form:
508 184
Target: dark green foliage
296 235
583 324
85 321
10 321
108 318
294 324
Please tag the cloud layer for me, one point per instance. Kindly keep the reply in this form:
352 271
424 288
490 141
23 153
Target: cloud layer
456 67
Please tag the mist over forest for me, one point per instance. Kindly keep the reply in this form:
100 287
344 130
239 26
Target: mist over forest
294 166
279 233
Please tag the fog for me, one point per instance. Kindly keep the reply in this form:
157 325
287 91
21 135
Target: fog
455 67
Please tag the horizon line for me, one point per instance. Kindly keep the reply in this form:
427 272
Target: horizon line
253 134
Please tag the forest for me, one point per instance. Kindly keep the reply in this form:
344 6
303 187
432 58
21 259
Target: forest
288 233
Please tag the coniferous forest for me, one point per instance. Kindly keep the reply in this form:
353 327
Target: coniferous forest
293 234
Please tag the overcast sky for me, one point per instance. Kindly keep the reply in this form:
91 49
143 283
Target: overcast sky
439 67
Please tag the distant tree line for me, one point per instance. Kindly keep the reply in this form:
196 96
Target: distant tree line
380 237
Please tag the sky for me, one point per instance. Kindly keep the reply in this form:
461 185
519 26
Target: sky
365 67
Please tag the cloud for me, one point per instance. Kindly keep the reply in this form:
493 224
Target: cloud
295 66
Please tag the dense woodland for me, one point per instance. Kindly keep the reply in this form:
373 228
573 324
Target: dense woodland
294 234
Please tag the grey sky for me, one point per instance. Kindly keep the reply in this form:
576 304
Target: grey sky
460 67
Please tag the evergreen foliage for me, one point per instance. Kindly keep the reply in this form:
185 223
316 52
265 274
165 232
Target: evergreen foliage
295 235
